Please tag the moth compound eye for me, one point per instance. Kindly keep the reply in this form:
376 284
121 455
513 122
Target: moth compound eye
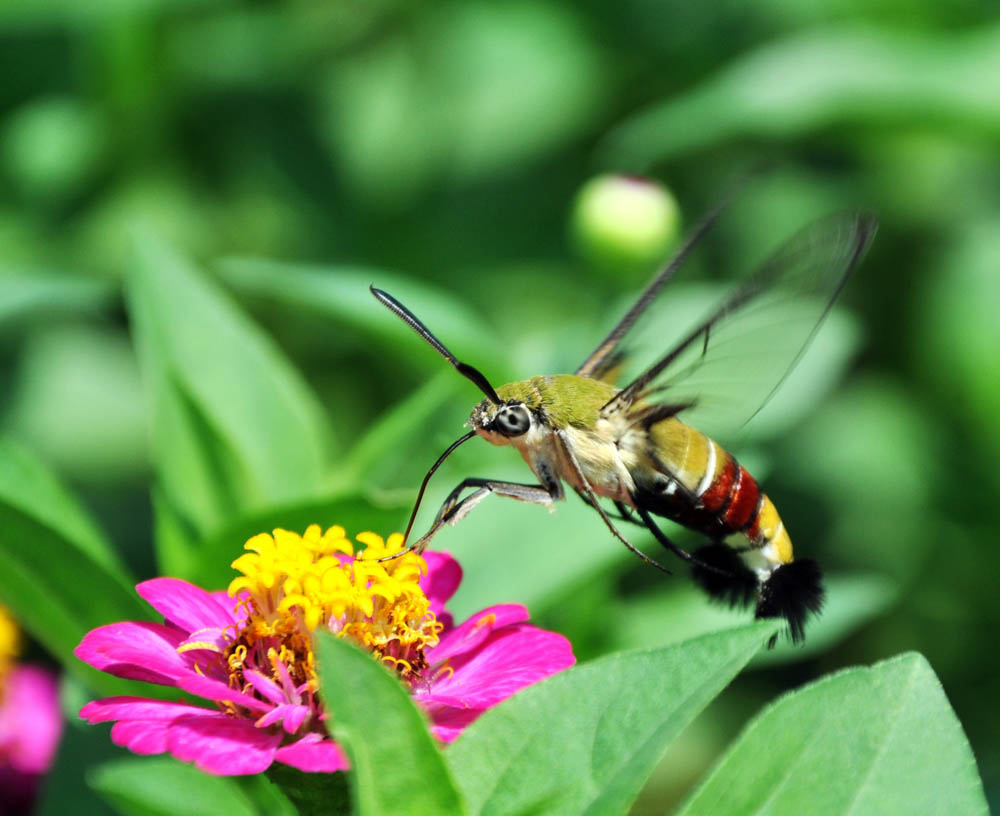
513 420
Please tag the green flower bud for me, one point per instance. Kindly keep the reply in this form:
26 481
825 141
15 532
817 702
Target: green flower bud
624 223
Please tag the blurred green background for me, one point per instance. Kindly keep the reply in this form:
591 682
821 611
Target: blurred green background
168 167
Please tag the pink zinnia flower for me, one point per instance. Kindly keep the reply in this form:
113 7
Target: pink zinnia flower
252 652
30 723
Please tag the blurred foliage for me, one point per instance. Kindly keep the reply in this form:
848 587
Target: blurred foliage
195 195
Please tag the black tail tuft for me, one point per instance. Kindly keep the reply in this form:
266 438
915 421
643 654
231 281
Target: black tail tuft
792 592
724 576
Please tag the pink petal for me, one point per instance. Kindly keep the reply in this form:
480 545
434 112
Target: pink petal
136 708
513 658
185 605
265 686
442 579
469 635
135 650
141 737
212 689
30 720
287 684
313 753
295 716
142 724
290 716
211 640
222 745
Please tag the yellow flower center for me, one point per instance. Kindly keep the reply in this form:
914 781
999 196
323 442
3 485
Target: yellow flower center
294 585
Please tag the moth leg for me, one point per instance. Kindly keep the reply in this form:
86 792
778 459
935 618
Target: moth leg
591 499
625 514
680 552
624 511
454 510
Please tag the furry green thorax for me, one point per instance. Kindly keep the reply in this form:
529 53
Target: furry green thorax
562 399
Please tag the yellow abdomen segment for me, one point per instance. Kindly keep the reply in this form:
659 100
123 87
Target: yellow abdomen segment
726 495
775 544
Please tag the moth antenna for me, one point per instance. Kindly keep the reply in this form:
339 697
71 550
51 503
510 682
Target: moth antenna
411 320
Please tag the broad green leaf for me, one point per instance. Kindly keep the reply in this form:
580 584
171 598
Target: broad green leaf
235 427
25 483
354 513
396 765
58 592
47 543
342 294
305 793
161 786
585 740
866 740
819 79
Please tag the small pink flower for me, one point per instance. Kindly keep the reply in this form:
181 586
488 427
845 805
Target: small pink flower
30 723
253 657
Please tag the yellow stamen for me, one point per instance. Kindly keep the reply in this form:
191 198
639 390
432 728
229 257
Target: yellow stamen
10 645
291 586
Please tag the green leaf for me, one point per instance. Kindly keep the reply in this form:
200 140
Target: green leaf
58 592
310 794
235 427
396 765
818 79
161 786
47 544
25 483
866 740
585 740
353 512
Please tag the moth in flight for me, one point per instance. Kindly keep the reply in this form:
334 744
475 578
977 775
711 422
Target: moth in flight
640 445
